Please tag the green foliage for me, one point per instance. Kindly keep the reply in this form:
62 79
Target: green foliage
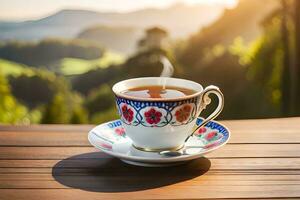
100 99
229 53
10 68
104 116
84 83
242 21
75 66
146 63
48 96
11 112
79 116
57 111
101 105
47 52
36 88
267 73
65 108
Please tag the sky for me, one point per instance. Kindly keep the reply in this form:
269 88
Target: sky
33 9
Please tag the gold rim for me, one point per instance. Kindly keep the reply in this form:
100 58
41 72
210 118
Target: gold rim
158 150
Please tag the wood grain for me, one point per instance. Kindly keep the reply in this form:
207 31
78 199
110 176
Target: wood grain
113 164
180 192
229 151
261 161
267 131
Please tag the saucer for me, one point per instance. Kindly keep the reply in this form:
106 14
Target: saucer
111 138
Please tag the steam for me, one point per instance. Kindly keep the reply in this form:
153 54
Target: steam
168 70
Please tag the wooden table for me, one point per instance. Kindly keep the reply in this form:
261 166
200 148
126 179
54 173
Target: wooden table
262 160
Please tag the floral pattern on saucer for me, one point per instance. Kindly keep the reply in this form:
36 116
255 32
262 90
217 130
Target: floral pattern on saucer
212 134
111 133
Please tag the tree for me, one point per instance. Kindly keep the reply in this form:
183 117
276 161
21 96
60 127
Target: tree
79 116
65 108
100 99
296 69
47 52
286 82
37 87
57 111
32 90
12 112
155 38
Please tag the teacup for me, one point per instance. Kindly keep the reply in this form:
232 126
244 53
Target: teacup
173 119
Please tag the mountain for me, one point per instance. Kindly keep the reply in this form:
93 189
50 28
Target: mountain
242 21
121 39
180 20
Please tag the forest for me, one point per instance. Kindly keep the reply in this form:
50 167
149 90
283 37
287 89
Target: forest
252 52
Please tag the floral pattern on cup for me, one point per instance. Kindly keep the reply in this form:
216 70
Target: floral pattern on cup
127 113
157 114
183 114
153 116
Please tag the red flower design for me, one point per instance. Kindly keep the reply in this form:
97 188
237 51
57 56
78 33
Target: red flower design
127 113
153 116
183 113
211 135
120 131
201 131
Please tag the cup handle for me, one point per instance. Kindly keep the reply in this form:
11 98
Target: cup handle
205 100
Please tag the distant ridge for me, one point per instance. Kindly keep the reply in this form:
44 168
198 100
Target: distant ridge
181 20
122 39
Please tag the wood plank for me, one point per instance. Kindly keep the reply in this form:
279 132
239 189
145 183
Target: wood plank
116 166
229 150
167 192
281 130
251 124
44 152
261 161
258 124
47 128
243 131
77 138
43 138
99 181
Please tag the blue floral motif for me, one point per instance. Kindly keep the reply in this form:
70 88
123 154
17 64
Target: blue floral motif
114 124
214 125
165 108
221 131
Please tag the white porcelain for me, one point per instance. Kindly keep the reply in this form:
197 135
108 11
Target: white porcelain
160 124
112 139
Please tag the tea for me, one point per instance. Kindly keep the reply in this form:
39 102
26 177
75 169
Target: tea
156 91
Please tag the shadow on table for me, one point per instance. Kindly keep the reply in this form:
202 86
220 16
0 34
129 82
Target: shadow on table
101 173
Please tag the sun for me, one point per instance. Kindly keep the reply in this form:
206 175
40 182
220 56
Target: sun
227 3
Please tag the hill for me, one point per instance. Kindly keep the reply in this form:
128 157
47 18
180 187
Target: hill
75 66
11 68
119 39
181 20
242 21
48 52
